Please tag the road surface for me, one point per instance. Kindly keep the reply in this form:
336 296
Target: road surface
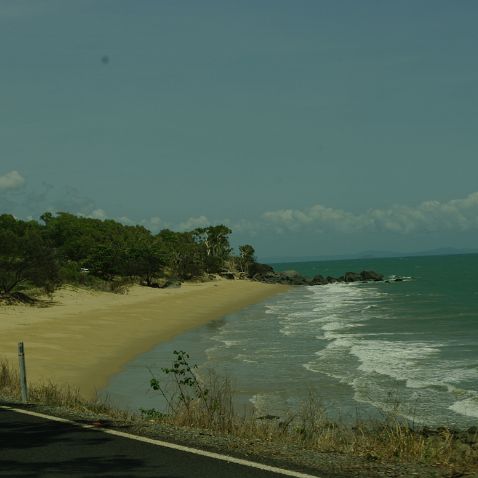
32 446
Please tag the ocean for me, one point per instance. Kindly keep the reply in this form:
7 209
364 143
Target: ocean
408 347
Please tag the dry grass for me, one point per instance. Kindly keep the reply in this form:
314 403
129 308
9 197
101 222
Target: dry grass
51 394
388 440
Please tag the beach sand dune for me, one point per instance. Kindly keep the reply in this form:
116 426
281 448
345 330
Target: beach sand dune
87 336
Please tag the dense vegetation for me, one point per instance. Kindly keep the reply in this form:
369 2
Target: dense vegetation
64 248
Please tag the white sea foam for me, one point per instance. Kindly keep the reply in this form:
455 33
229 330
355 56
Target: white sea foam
373 366
467 407
397 359
332 326
372 362
403 278
286 331
343 305
231 343
383 364
245 358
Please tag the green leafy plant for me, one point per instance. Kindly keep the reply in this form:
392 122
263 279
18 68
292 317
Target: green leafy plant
187 387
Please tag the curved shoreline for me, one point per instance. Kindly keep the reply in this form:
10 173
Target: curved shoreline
86 337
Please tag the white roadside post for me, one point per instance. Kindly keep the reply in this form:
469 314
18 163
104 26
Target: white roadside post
23 372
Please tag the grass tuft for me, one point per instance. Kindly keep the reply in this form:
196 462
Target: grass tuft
51 394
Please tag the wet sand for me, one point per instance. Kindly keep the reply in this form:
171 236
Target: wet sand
85 337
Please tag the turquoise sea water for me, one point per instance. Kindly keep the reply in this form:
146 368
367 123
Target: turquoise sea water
364 348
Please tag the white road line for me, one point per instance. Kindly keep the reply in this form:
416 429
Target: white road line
195 451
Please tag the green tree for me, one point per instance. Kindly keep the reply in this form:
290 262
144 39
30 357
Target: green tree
215 242
106 260
246 257
146 259
26 256
184 255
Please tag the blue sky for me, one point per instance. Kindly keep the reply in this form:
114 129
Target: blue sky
310 127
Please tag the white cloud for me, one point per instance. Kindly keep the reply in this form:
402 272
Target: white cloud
98 214
316 215
11 180
126 221
245 226
155 221
193 222
429 216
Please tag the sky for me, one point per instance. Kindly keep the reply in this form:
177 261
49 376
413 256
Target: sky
310 127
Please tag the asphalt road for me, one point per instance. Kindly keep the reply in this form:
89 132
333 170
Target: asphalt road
35 447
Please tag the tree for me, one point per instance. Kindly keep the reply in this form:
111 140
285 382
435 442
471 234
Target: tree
146 259
106 260
246 257
183 253
75 238
37 253
215 240
25 257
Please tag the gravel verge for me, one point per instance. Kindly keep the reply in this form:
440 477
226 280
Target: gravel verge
324 465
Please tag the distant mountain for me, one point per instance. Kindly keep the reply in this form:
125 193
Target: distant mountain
442 251
446 251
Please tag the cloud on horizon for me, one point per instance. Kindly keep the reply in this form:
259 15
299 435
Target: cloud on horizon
11 180
456 215
193 223
429 216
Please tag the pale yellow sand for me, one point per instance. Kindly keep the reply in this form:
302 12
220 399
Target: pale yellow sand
88 336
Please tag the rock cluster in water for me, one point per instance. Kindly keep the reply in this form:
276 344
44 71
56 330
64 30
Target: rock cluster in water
266 273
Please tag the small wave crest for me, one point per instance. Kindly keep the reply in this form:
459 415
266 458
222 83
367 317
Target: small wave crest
467 407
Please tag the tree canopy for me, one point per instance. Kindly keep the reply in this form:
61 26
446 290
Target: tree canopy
61 247
26 255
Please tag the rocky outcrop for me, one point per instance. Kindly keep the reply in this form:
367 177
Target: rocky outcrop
286 277
352 277
319 280
227 275
371 276
364 276
265 273
259 269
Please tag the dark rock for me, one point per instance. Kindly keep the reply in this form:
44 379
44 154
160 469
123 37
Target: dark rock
268 277
227 275
286 277
290 273
292 278
265 273
259 269
318 280
352 277
371 275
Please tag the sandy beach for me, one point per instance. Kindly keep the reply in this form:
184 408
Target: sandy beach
85 337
